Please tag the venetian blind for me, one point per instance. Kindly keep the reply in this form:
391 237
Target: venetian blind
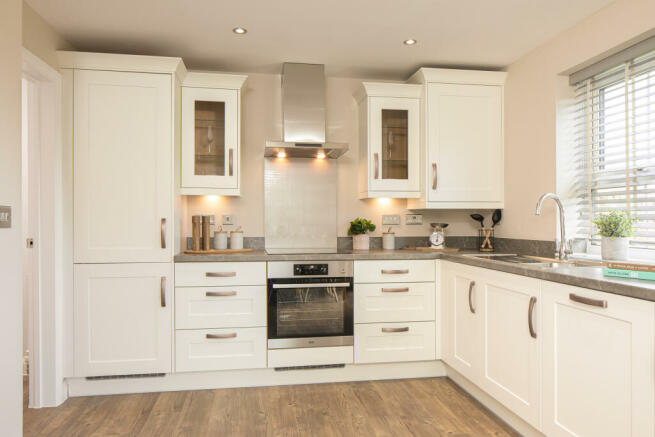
615 147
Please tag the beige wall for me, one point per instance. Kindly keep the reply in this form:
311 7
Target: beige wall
534 84
262 121
10 192
40 38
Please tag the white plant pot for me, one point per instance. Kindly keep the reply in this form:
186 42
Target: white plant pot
360 242
614 249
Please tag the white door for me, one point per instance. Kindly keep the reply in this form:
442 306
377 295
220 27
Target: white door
210 138
463 316
122 167
123 319
512 343
393 144
598 367
465 143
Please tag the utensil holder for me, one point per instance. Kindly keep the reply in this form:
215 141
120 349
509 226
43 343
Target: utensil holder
486 241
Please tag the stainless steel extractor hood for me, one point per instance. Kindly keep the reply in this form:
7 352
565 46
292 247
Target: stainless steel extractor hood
303 115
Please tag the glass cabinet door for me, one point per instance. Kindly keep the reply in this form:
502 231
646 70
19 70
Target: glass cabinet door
209 138
394 145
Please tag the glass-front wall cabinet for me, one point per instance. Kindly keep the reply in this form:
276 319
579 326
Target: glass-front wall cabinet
389 129
210 140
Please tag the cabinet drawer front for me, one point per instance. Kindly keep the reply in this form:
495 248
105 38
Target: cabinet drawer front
220 349
394 302
394 271
220 274
394 342
220 307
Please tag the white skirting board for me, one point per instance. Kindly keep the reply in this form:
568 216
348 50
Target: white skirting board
511 419
254 378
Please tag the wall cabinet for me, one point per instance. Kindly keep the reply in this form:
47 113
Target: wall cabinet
123 178
123 319
598 364
461 139
389 140
211 137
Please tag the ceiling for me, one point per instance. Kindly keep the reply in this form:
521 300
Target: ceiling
354 38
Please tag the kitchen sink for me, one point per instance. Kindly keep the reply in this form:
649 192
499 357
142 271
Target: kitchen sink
546 263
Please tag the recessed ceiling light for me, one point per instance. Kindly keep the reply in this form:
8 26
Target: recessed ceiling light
281 154
239 30
410 42
320 155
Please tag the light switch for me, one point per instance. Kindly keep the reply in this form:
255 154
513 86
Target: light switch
391 219
228 219
5 216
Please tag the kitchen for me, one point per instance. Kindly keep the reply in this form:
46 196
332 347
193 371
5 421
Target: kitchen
215 253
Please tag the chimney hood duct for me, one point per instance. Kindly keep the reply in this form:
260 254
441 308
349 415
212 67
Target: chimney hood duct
303 115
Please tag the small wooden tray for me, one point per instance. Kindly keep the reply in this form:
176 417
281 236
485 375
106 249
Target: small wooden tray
216 251
432 249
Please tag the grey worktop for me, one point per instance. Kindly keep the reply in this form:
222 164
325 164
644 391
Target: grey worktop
585 277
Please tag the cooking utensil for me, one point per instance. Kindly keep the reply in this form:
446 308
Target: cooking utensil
496 217
478 218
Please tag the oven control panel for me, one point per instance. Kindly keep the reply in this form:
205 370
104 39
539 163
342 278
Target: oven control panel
310 269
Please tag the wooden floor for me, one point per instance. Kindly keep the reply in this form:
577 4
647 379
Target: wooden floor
412 407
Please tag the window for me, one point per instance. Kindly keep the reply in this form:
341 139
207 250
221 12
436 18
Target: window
615 148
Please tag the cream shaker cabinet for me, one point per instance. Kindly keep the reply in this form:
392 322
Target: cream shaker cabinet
389 161
492 334
211 149
123 172
123 319
461 139
598 367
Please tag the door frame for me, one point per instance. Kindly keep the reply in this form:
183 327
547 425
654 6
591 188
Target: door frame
46 342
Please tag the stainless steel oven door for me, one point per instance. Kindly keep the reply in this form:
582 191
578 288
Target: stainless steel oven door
310 313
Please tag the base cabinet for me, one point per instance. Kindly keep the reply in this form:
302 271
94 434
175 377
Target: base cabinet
394 342
598 364
123 319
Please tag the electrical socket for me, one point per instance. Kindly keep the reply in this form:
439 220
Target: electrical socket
228 219
391 219
413 219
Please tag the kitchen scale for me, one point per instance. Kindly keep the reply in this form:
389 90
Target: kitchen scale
438 237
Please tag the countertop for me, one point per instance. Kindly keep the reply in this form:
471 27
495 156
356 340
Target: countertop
585 277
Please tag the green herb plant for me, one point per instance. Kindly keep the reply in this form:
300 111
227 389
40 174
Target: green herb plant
615 224
360 226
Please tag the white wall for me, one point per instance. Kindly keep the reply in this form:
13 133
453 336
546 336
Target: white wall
10 192
534 86
262 120
40 38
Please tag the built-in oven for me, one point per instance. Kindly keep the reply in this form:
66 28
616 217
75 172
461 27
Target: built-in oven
310 304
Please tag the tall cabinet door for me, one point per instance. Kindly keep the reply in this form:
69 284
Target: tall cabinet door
465 144
123 319
463 316
512 343
598 367
210 138
393 144
122 167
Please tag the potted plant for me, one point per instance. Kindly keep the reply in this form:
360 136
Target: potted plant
358 229
615 229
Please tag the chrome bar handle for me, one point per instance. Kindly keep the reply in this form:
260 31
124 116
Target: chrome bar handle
533 301
588 301
395 290
312 285
220 274
219 336
231 160
162 291
163 233
376 159
471 285
405 329
220 293
394 271
434 175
